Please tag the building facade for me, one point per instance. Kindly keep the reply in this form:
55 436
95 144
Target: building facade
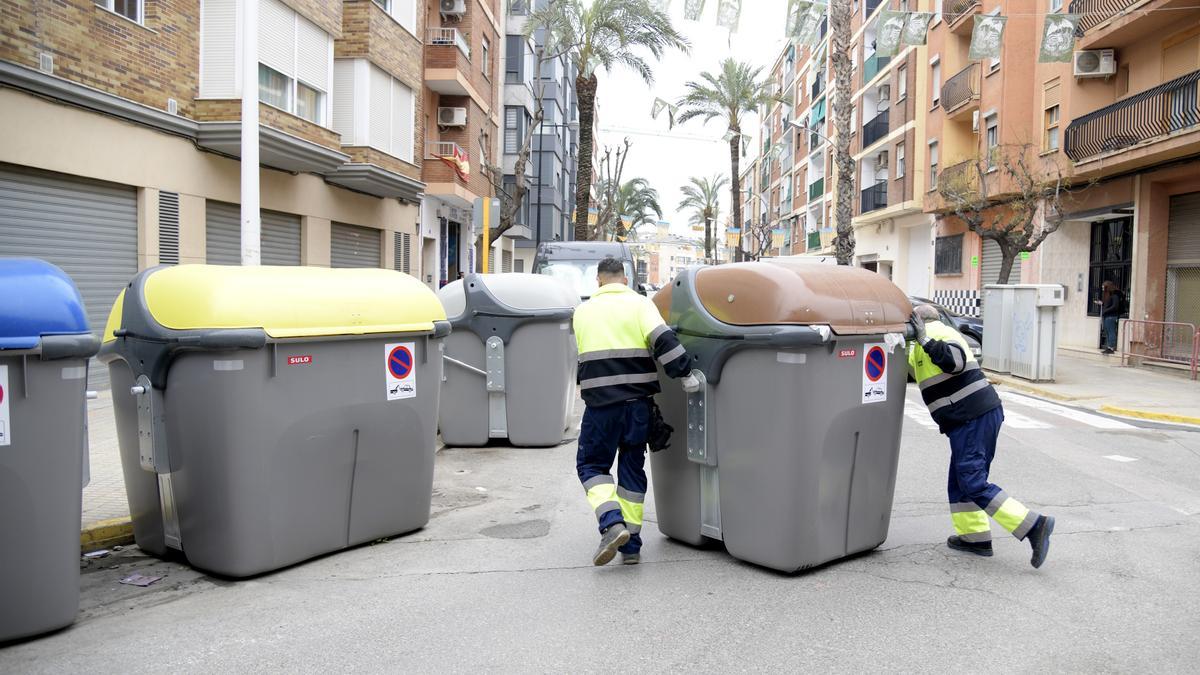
122 124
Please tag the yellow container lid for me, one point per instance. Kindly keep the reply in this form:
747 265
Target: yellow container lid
286 302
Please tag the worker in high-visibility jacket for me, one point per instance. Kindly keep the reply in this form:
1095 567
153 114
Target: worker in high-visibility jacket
968 410
620 336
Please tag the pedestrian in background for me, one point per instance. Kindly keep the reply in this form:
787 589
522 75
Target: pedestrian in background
1112 305
620 336
968 410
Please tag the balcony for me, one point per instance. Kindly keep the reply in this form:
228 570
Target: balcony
960 94
1153 115
818 87
1121 23
448 62
960 180
874 66
875 197
957 13
815 190
876 129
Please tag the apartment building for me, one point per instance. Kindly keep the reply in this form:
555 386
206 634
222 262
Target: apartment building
120 143
554 157
795 178
1122 118
462 102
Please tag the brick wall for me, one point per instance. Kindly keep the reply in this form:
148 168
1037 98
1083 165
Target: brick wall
230 110
382 159
144 63
467 137
475 26
325 13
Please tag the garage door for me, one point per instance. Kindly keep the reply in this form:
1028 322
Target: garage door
354 246
87 228
1183 259
989 267
223 236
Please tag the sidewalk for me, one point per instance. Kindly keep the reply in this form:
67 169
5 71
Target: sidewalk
1104 385
105 519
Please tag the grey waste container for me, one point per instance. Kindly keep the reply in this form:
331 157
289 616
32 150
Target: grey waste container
788 453
44 348
510 360
267 415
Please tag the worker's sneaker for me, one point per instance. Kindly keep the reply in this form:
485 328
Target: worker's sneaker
613 538
1039 539
631 558
983 548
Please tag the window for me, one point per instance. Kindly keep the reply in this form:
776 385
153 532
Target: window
512 129
1050 142
937 11
274 88
935 82
518 7
994 64
130 9
947 254
899 160
485 61
993 141
294 62
403 11
373 109
1111 260
901 83
1056 5
514 61
933 165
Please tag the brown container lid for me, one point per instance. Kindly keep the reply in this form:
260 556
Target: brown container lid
850 300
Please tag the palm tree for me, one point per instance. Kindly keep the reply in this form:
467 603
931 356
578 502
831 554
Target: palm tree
735 91
700 197
636 203
602 34
839 36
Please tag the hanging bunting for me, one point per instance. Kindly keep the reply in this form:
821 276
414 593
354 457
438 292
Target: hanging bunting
794 10
1058 38
728 14
809 23
659 106
987 37
888 31
663 5
916 29
692 9
745 144
730 135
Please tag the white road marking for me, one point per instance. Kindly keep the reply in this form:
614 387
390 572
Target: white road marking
1062 411
917 413
1018 421
1121 458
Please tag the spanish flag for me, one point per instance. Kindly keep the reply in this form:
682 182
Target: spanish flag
459 161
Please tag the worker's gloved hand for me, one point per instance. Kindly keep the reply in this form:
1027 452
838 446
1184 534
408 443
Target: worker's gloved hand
918 325
691 383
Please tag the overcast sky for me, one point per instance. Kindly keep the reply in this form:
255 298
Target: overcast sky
668 157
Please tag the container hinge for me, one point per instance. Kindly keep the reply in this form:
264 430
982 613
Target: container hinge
700 429
152 453
497 404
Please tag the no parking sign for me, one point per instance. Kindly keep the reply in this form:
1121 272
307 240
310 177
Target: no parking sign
400 368
875 357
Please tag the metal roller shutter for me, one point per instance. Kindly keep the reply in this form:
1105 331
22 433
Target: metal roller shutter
354 246
87 228
989 265
280 236
1183 230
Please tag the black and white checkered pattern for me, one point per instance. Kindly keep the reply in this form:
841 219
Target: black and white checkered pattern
966 303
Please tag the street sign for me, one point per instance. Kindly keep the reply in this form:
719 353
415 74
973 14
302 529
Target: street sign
401 378
874 379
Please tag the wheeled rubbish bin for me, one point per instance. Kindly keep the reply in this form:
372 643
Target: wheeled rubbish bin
510 360
44 348
267 415
788 452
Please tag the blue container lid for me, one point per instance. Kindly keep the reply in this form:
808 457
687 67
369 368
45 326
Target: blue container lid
36 299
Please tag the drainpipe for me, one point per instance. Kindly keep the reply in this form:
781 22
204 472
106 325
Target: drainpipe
251 220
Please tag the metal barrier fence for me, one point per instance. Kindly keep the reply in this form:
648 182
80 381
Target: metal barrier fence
1165 341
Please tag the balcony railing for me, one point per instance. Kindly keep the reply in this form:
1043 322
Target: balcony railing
448 37
875 197
873 65
814 241
876 129
960 179
1092 13
818 87
955 9
961 89
815 190
1168 108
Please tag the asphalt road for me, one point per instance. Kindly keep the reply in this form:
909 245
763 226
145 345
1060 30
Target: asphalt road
501 581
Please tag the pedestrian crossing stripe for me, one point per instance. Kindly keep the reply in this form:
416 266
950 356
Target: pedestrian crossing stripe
1015 420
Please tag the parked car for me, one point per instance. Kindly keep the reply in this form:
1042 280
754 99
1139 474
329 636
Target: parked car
574 263
971 327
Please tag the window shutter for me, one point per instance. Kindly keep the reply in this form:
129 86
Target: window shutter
218 49
405 12
277 36
168 228
379 132
402 121
1051 96
312 52
343 100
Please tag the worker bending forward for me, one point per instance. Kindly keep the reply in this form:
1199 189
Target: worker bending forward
967 409
620 335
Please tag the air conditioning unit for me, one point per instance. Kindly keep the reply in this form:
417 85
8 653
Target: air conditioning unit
1096 63
452 117
975 121
881 161
454 7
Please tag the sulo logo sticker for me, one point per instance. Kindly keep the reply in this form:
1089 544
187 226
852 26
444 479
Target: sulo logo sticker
847 353
400 371
300 360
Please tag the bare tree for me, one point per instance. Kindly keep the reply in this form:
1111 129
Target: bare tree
839 36
1010 195
608 187
757 239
